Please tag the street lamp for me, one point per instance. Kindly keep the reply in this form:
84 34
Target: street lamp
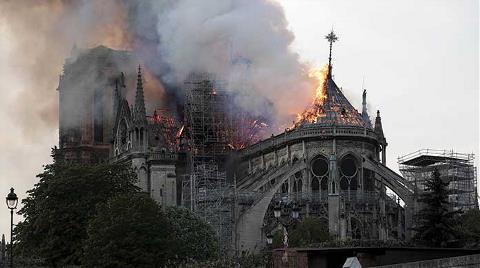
269 239
277 213
12 201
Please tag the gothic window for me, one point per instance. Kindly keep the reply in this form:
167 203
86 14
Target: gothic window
123 134
141 136
343 184
315 185
353 184
324 184
319 166
348 166
284 187
299 185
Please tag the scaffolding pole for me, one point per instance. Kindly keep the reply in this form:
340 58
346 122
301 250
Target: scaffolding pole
207 192
456 168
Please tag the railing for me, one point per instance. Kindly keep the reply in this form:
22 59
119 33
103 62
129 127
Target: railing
434 152
310 131
162 156
353 196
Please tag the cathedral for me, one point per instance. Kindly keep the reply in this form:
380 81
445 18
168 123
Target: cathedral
330 165
97 124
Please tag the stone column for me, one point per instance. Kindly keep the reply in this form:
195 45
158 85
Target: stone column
384 154
333 199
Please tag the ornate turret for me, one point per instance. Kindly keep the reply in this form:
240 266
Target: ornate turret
365 116
378 129
116 98
139 113
378 125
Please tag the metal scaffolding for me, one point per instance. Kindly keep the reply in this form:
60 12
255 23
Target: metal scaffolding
456 168
206 190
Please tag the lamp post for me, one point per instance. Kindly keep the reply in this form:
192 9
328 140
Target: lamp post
277 213
286 223
12 201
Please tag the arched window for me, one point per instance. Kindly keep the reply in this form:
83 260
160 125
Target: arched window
285 187
319 166
315 185
141 136
324 184
353 184
348 166
343 184
299 185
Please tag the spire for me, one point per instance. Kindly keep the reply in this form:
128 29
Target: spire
378 125
140 113
332 38
365 116
116 97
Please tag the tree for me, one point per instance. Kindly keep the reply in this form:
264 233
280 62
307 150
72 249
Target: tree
435 221
310 230
194 238
57 210
469 228
129 231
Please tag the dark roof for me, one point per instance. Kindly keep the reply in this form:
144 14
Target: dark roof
426 160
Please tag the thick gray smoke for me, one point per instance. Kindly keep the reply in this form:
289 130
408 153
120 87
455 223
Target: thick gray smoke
247 43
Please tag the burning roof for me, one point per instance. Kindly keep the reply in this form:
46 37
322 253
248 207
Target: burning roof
330 106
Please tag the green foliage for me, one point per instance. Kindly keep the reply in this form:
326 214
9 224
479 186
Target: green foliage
194 238
128 231
277 241
309 231
58 208
468 226
435 221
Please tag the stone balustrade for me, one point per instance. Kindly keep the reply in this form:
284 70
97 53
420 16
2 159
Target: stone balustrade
306 132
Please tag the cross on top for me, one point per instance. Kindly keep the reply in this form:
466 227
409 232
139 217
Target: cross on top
331 37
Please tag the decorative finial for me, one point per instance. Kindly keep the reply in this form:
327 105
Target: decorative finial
378 113
332 38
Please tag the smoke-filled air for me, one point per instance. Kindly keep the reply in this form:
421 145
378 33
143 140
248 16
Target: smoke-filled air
246 44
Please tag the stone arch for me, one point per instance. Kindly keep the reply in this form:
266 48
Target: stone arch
250 222
298 186
349 170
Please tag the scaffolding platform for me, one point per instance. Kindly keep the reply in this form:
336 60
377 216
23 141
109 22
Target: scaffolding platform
456 168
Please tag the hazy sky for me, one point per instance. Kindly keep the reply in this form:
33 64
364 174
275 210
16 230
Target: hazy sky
419 61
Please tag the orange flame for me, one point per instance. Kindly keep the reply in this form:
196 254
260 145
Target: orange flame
312 113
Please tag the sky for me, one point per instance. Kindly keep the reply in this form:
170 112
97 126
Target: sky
418 61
